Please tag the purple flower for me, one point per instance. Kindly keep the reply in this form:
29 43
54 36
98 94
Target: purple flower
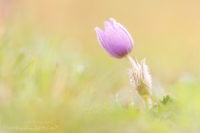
115 39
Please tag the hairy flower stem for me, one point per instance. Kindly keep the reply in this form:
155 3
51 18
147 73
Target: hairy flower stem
134 66
141 82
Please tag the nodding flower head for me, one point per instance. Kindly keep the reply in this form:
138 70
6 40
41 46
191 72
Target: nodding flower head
115 39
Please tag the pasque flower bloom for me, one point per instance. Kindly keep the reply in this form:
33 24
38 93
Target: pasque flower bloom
115 39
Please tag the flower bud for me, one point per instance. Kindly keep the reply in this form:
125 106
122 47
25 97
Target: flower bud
115 39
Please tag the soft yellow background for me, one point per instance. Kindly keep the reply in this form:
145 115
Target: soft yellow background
166 33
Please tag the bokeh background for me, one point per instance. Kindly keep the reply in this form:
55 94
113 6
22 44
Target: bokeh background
50 55
164 32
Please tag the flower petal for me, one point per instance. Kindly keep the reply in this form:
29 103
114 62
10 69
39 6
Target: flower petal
115 39
103 41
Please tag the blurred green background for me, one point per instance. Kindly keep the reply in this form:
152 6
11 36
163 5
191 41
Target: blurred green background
54 73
